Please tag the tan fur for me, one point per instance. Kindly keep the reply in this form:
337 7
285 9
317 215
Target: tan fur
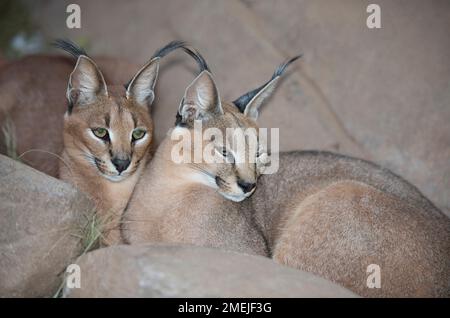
334 216
32 96
107 128
321 212
33 91
111 197
170 205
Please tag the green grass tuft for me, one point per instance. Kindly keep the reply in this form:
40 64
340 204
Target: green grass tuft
89 234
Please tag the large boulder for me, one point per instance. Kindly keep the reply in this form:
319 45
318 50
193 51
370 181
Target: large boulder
41 225
187 271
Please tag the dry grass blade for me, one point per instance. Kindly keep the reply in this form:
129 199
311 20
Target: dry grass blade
89 233
9 136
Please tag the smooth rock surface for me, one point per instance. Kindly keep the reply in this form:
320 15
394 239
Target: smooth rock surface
41 219
185 271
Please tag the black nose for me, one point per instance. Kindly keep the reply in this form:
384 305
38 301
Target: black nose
246 186
121 164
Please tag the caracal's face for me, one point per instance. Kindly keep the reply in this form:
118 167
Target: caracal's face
112 136
233 151
233 154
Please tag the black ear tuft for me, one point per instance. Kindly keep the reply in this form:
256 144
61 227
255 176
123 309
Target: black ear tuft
242 102
186 47
161 52
69 47
281 68
172 46
203 66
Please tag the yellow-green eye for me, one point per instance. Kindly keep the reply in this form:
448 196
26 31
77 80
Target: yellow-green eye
100 132
138 134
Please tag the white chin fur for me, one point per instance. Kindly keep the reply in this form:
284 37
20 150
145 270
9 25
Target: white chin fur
237 198
117 178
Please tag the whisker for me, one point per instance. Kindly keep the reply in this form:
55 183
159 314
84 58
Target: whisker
203 170
50 153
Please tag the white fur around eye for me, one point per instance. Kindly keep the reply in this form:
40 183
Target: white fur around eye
112 137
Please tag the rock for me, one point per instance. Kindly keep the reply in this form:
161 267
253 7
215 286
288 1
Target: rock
387 88
41 220
188 271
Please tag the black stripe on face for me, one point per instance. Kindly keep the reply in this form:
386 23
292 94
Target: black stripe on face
107 119
119 109
134 119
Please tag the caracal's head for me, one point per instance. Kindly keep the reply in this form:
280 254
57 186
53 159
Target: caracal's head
225 150
108 130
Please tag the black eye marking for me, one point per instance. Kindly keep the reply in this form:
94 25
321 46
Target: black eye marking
106 138
133 116
107 119
229 158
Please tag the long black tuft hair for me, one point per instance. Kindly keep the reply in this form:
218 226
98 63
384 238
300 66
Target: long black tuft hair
242 101
203 66
174 45
70 47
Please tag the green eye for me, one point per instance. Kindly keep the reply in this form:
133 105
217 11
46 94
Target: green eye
100 132
138 134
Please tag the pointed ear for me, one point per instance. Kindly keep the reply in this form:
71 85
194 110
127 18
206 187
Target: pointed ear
201 99
142 86
252 108
250 102
86 83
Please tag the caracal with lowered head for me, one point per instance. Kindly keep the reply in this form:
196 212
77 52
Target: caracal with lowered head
332 215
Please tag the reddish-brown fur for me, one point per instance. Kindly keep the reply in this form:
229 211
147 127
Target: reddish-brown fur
33 92
33 97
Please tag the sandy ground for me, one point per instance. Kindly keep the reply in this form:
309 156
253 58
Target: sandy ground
380 94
